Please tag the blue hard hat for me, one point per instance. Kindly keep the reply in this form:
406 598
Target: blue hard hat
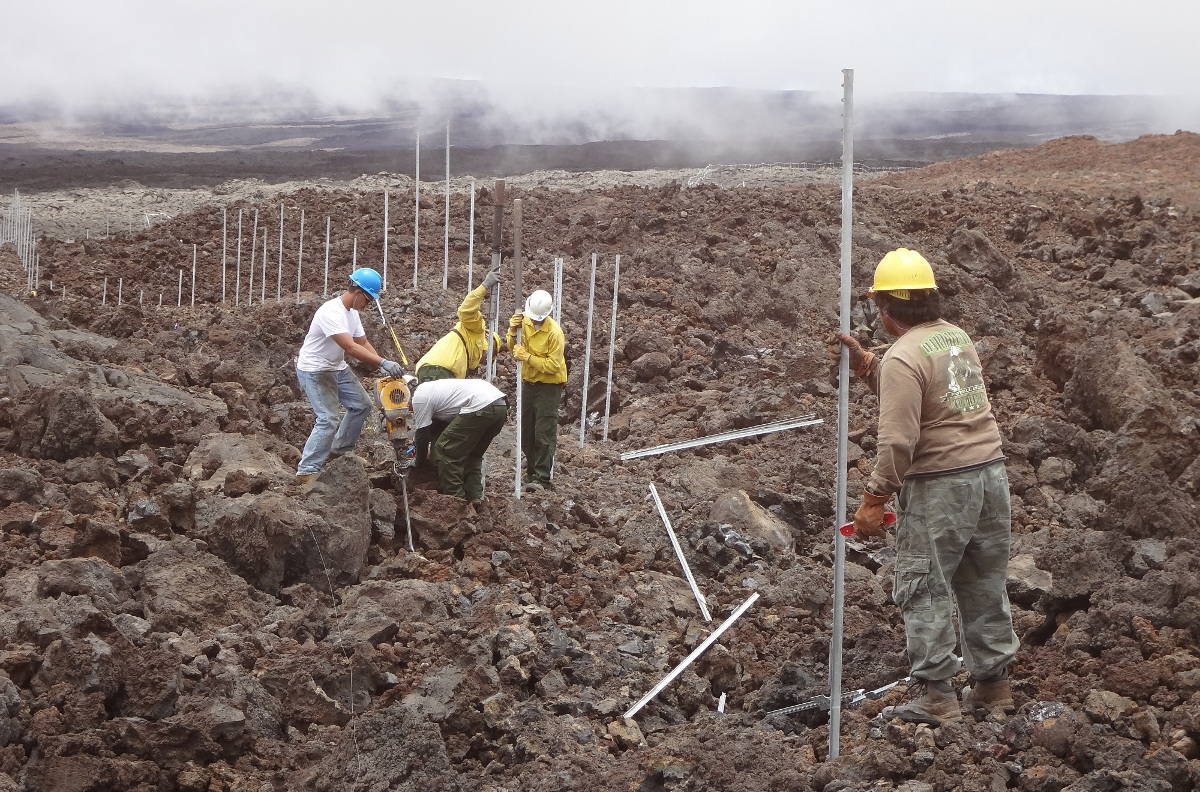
368 280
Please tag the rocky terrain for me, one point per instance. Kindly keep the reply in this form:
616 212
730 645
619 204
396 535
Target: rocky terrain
177 616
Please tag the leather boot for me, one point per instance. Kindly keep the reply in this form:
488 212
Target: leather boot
934 703
990 695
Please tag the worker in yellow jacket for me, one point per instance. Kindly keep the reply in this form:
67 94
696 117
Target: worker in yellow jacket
541 352
463 348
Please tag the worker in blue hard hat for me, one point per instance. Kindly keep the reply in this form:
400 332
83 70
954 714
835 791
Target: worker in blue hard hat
336 331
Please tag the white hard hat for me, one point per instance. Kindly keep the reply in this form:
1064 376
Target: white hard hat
539 305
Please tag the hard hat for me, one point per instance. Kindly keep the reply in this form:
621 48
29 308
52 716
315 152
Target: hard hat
901 270
368 280
539 305
410 381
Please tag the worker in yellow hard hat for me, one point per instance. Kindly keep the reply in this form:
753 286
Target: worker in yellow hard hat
462 349
938 449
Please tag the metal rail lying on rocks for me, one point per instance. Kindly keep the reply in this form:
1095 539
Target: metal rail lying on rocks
849 698
737 434
699 650
662 512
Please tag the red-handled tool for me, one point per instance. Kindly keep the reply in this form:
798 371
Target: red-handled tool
848 528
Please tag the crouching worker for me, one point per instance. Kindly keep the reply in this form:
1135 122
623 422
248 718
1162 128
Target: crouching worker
476 411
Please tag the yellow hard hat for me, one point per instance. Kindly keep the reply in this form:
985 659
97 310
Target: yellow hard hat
900 270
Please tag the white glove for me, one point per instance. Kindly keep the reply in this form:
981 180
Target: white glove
491 279
391 368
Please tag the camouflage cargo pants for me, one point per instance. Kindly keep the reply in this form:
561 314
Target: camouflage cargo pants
953 540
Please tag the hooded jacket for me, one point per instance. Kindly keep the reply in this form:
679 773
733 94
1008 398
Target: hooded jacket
463 347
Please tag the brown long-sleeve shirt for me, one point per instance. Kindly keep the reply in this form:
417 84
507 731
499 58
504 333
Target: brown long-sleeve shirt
934 413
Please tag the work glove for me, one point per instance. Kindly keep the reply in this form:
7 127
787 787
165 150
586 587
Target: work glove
391 368
491 279
868 520
521 353
514 324
860 359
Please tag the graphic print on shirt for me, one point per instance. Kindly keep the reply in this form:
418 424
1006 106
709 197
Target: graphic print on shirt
965 391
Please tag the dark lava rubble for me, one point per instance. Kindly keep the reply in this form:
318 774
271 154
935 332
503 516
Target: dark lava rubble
176 617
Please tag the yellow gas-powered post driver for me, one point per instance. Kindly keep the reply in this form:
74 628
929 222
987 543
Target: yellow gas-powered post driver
393 396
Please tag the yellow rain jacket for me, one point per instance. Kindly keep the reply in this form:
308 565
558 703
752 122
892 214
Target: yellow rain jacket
547 347
464 346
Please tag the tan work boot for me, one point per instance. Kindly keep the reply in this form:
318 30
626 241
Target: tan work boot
989 695
935 704
304 478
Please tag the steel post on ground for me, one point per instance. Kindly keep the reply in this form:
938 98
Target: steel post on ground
237 282
224 251
612 344
446 241
492 352
736 434
300 259
497 238
687 570
417 211
699 650
193 275
839 541
517 296
325 289
120 284
471 241
179 300
279 272
262 280
385 237
587 356
253 253
558 288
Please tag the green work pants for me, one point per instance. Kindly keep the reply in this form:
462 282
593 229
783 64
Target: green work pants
459 451
430 372
539 428
952 546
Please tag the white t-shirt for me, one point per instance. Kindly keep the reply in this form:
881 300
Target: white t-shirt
319 351
445 399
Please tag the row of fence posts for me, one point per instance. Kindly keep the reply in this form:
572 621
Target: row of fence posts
18 228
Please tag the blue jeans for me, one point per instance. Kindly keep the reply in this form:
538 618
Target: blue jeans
327 391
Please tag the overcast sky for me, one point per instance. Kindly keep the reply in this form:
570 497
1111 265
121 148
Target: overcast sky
350 50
